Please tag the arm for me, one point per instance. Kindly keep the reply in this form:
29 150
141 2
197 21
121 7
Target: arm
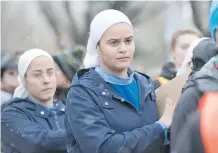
92 132
29 137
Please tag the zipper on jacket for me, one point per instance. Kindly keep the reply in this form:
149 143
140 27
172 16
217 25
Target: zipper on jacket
56 120
138 112
123 100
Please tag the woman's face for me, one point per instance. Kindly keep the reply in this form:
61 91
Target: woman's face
40 79
116 48
61 79
182 44
9 80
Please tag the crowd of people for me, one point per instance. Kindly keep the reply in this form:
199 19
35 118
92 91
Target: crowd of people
52 104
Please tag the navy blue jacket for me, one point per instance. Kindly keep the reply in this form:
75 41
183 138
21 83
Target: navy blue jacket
29 127
98 120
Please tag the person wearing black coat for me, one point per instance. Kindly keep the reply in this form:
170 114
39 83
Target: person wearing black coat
201 82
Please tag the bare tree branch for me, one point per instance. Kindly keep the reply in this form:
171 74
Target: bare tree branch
122 6
199 10
79 38
52 20
118 5
73 28
88 19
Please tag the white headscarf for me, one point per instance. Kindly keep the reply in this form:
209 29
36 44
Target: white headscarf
101 22
189 55
24 61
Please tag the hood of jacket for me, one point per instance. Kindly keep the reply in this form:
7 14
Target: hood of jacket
206 80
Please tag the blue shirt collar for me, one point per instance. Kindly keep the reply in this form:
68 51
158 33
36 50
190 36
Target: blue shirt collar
110 78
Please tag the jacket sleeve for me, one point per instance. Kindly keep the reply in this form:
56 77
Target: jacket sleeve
187 104
29 137
92 132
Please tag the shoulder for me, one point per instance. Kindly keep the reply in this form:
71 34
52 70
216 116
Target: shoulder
13 111
79 93
143 77
145 80
16 103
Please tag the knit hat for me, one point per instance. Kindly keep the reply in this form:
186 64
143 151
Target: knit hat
70 61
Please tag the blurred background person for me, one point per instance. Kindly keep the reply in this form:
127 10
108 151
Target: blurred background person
199 82
180 42
202 51
9 81
67 64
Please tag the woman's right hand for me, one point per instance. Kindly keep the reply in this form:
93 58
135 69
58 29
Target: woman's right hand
168 113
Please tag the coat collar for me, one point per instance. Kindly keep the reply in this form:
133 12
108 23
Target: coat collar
39 109
90 79
44 112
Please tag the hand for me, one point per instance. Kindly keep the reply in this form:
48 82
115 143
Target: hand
168 113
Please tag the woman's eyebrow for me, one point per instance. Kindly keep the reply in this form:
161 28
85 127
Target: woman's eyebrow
37 71
112 39
129 37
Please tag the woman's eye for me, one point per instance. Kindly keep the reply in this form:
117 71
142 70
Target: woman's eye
50 73
36 75
129 41
114 42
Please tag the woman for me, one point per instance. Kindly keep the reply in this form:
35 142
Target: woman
33 122
111 108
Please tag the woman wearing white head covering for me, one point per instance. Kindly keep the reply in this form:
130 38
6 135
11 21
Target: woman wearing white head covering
31 123
111 108
97 29
23 64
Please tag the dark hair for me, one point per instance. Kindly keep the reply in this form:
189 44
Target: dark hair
9 64
181 32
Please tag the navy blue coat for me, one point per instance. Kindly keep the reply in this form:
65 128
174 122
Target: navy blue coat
29 127
99 120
